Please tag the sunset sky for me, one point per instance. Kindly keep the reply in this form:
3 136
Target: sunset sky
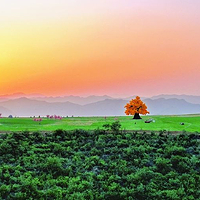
97 47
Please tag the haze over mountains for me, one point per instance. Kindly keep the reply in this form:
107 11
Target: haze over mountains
188 98
35 104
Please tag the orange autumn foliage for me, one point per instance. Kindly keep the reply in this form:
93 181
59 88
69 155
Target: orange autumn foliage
136 106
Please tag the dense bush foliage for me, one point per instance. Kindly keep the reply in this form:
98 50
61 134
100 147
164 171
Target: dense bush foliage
99 165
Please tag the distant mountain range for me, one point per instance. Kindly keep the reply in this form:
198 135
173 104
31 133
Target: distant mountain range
19 95
74 99
94 105
188 98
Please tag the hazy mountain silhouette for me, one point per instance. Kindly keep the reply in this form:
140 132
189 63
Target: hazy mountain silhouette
93 98
3 99
5 111
19 95
188 98
28 107
74 99
171 106
133 97
107 107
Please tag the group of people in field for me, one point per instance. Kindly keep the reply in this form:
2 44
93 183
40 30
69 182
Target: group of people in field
54 117
39 119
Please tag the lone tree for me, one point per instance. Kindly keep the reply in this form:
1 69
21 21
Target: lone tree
136 107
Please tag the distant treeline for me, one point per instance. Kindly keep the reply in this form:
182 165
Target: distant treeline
99 164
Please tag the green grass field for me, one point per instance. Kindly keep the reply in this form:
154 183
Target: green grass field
168 123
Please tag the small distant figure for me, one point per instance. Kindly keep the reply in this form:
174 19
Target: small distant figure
0 115
59 117
37 119
72 115
10 116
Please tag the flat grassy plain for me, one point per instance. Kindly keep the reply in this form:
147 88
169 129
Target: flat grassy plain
168 123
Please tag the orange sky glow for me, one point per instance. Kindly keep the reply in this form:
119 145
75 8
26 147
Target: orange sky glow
113 47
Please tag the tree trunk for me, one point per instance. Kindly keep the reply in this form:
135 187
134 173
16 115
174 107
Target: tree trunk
137 116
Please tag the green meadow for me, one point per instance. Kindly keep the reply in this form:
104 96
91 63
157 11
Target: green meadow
168 123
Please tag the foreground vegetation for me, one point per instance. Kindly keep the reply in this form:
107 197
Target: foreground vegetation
99 165
168 123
